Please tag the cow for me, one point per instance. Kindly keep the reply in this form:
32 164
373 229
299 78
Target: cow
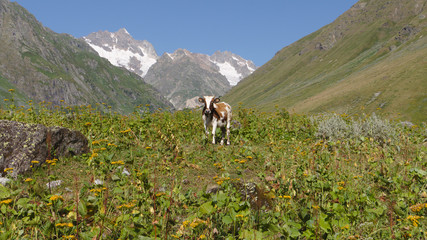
217 114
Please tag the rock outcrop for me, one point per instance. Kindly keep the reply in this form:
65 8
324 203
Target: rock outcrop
23 145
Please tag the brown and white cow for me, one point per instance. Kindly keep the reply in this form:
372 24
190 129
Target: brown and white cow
217 114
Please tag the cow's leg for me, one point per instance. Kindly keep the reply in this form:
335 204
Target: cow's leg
228 131
214 124
222 135
206 130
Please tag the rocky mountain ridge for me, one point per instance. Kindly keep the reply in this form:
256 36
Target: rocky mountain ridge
183 76
121 49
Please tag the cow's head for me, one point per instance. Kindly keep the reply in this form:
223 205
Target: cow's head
209 104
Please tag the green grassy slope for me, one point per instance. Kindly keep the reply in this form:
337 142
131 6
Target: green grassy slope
375 48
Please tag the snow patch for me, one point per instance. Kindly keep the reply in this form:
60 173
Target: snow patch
249 67
229 72
121 58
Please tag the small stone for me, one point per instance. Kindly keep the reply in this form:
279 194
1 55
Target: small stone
213 188
125 172
270 178
185 181
54 184
4 181
98 182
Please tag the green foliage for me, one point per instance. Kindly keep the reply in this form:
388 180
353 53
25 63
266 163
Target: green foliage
154 175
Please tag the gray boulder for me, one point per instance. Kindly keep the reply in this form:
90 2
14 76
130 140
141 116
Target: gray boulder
22 143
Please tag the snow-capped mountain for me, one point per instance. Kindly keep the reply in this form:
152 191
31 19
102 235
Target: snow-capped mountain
232 66
123 51
179 76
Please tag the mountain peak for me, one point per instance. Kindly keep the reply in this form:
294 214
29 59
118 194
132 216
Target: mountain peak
122 50
123 31
233 66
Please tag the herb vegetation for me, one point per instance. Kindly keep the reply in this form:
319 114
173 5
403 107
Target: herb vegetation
153 175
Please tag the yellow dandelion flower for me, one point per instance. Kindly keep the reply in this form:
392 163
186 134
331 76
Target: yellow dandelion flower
11 90
148 148
64 225
286 197
88 124
5 99
28 180
418 207
120 162
126 131
194 224
56 197
98 189
8 169
202 236
345 227
414 219
7 201
112 144
127 205
316 207
160 194
185 223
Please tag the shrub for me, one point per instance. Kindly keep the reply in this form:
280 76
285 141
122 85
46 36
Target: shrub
335 127
331 127
373 127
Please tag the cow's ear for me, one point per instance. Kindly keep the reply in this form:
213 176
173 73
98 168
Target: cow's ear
201 99
217 100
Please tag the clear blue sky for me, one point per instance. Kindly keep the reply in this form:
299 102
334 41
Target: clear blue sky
255 30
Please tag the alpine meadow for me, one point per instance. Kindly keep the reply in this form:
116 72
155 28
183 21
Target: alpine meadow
328 139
